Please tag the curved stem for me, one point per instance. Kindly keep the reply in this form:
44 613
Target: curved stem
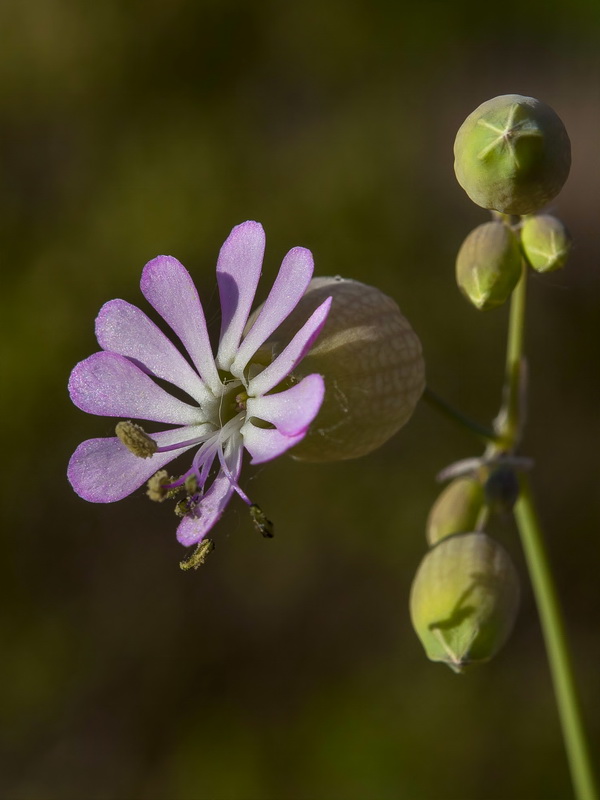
448 410
556 644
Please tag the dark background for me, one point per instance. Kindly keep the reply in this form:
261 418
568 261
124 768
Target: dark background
283 669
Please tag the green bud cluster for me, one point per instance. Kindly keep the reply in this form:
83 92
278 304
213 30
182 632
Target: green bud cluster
512 155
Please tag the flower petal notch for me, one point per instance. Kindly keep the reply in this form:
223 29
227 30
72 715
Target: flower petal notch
229 407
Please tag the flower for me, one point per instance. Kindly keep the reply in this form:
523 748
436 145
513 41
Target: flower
240 398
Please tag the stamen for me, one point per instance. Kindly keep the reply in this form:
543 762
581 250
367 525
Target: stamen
203 461
191 484
179 483
181 509
260 521
135 439
166 448
231 479
199 555
240 401
188 505
160 486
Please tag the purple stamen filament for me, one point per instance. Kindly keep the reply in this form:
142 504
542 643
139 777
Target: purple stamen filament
189 443
211 446
231 479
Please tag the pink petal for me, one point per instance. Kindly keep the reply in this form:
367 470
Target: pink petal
238 270
291 282
263 444
124 329
112 386
291 411
292 354
168 287
104 470
192 529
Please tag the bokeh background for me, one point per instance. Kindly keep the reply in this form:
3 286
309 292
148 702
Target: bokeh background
283 669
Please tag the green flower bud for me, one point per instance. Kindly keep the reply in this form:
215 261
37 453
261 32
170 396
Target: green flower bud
464 600
488 265
372 363
456 510
546 242
512 154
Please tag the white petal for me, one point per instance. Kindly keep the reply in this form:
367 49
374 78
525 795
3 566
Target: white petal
292 354
104 470
168 287
112 386
194 528
263 444
291 282
291 411
238 270
122 328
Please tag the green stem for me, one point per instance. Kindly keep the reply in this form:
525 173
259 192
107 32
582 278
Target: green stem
510 420
556 644
448 410
509 424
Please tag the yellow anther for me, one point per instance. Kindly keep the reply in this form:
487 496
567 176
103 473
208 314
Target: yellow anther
156 486
135 439
199 555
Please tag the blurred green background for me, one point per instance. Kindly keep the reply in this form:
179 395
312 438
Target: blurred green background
283 669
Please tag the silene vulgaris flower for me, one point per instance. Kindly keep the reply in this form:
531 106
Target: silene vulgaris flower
242 398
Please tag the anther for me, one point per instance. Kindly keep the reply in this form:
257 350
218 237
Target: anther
181 509
159 487
199 555
135 439
260 521
187 506
191 484
240 401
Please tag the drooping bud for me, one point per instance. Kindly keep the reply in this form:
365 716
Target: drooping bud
456 510
512 154
488 265
372 363
546 242
464 600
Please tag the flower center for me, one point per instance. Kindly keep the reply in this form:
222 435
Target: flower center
232 401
